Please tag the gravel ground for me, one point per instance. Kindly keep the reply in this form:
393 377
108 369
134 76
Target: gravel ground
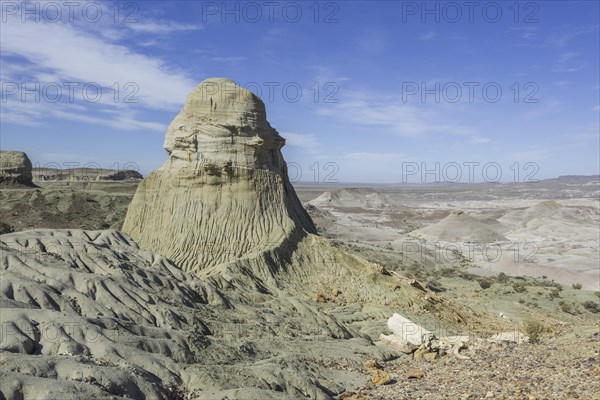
563 366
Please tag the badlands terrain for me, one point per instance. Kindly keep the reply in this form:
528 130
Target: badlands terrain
216 278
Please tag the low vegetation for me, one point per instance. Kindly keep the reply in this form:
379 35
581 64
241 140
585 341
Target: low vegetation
519 287
535 329
591 306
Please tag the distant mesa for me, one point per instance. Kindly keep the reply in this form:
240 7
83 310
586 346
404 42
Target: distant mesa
365 198
462 227
15 169
84 175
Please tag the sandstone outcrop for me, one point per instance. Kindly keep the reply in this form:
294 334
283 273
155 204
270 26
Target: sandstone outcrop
15 168
223 194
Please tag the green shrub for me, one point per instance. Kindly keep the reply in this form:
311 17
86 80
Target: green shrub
484 283
447 272
577 286
503 278
591 306
567 307
547 283
535 329
467 276
554 294
519 287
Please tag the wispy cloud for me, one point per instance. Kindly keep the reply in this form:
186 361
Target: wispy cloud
479 140
230 59
375 157
565 34
427 35
64 53
390 114
372 40
531 155
525 35
307 142
569 62
162 27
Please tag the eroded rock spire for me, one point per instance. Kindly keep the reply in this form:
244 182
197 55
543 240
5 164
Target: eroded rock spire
223 193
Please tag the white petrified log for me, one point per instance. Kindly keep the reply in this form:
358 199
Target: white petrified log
407 336
396 343
406 330
514 336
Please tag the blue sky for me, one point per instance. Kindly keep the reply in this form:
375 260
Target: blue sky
388 75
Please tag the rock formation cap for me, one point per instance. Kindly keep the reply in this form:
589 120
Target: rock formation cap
223 123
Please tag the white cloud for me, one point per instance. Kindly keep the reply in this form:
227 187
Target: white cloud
562 37
306 141
162 27
230 59
376 157
569 62
480 140
80 57
427 35
530 155
373 40
61 53
389 113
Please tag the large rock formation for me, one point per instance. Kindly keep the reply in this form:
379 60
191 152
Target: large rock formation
15 168
223 194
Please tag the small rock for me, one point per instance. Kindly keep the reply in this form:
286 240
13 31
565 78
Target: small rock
489 395
414 373
276 387
320 298
380 377
352 396
372 364
420 352
430 356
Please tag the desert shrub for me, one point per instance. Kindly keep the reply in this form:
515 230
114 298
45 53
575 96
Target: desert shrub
434 275
466 276
597 294
547 283
567 307
534 329
430 307
415 271
447 272
591 306
485 283
577 286
503 278
519 287
554 294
